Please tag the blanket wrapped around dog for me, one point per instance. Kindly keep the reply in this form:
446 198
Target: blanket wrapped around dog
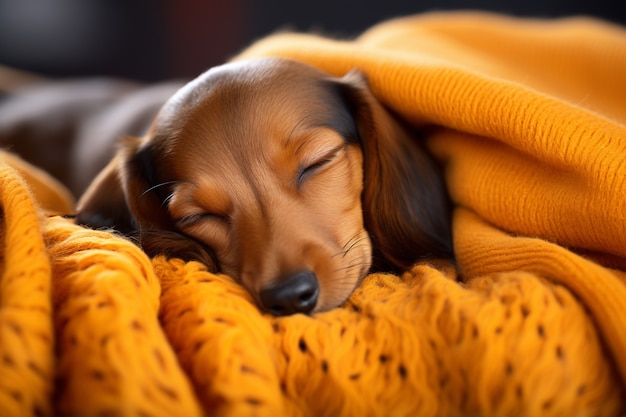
529 119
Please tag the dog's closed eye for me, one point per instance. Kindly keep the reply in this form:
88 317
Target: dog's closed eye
272 171
195 219
318 163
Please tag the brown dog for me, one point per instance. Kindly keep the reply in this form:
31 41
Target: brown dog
284 177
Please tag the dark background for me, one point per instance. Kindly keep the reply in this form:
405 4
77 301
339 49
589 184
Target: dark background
151 40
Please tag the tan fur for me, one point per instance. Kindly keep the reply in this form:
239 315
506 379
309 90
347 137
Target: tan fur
251 163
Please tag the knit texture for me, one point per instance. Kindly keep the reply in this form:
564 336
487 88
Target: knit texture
528 117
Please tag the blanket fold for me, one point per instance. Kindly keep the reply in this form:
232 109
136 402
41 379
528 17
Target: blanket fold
531 122
528 119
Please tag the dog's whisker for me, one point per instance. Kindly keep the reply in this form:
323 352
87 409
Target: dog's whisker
352 238
355 244
358 261
351 266
154 187
351 243
167 199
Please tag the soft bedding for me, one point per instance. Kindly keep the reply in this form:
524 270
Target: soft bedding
528 118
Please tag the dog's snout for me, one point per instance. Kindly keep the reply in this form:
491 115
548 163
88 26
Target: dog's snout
293 294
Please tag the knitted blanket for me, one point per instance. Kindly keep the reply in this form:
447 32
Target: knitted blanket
529 119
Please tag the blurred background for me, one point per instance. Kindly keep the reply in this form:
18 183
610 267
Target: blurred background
152 40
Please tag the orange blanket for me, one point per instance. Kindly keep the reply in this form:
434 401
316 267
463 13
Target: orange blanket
529 118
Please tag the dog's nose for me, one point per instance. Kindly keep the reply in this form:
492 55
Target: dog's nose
296 293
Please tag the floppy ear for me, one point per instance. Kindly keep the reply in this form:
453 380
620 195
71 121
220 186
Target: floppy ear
118 196
145 192
103 204
405 203
129 197
147 195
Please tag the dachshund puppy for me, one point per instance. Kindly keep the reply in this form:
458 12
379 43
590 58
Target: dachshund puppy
290 180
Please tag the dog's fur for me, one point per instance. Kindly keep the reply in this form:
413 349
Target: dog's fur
284 177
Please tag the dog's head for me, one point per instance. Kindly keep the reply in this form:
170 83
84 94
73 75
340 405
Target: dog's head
284 177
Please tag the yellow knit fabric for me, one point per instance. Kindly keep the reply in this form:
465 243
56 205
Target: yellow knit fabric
529 118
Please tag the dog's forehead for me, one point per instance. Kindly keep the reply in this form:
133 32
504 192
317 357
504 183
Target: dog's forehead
238 83
237 103
247 118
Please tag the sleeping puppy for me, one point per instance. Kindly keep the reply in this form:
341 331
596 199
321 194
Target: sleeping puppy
291 181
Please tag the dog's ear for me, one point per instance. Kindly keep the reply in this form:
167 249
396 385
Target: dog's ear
147 196
121 196
103 204
405 203
129 197
145 191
